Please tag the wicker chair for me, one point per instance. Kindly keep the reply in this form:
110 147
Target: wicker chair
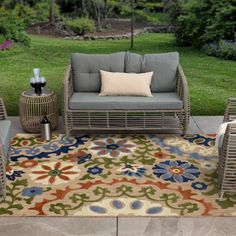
155 119
4 147
227 153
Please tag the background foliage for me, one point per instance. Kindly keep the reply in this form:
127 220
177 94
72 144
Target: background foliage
203 28
206 24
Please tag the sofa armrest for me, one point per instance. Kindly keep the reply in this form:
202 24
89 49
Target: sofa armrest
68 88
182 88
3 113
230 112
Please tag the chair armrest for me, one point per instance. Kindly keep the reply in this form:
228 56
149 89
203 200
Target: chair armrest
230 112
229 139
182 88
68 88
3 113
2 154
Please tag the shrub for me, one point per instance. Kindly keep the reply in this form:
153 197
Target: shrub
80 25
206 21
154 6
11 28
25 13
42 11
223 49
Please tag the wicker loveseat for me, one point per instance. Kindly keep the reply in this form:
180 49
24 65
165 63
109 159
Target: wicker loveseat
5 129
227 152
168 109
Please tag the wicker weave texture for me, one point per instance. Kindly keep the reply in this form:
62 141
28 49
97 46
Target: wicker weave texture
3 113
3 156
33 108
127 120
227 155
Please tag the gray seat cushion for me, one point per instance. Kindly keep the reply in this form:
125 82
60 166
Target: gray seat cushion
5 134
163 65
86 69
91 101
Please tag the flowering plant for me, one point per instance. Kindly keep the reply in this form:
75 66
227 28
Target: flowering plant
6 44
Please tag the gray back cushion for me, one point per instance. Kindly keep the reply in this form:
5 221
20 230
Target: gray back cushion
133 63
86 69
163 65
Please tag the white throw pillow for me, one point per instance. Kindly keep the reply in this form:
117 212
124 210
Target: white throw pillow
125 84
221 134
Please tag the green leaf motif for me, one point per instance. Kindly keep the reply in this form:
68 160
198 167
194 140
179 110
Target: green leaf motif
124 189
59 208
75 198
20 182
188 207
228 201
148 190
87 176
212 180
5 211
28 200
99 191
105 176
17 206
172 197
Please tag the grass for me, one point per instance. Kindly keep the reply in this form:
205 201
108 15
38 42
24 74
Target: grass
211 80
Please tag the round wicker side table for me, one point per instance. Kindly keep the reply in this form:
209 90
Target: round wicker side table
34 107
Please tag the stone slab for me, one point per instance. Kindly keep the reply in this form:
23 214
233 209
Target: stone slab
171 226
208 124
57 226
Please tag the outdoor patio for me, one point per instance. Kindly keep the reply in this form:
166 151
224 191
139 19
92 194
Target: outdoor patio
123 226
117 118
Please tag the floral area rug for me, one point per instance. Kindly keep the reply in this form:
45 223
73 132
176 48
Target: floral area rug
116 175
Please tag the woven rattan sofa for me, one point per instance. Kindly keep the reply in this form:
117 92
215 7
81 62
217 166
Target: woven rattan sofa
227 152
168 109
5 129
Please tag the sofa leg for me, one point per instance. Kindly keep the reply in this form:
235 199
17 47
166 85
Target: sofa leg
67 131
221 196
185 127
184 131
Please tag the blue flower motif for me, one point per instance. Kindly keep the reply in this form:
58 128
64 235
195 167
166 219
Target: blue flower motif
175 150
33 191
84 159
13 174
176 171
199 185
133 170
95 170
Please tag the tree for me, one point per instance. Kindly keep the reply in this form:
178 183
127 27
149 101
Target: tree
98 6
132 25
52 12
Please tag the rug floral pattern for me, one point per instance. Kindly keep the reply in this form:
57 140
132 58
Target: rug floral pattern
136 175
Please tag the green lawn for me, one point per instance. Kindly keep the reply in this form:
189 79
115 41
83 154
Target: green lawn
211 80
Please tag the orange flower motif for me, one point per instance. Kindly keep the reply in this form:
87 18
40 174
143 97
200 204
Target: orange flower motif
160 155
73 157
54 173
80 157
28 163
